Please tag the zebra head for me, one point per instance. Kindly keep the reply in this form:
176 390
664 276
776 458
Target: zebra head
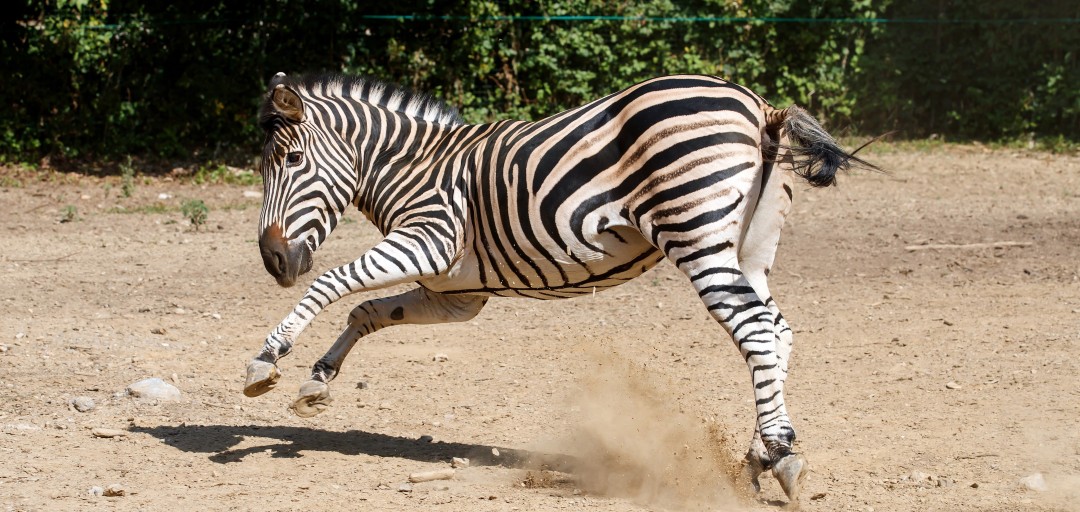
306 185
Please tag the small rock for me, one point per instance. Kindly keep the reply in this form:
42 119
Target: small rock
361 385
83 403
154 389
3 348
405 487
440 358
251 194
1034 482
974 485
108 432
459 462
157 330
920 477
215 316
818 496
115 490
495 452
95 491
952 385
163 196
426 439
944 482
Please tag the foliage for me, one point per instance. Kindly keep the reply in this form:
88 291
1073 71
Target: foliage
220 173
70 214
127 178
195 211
183 79
999 78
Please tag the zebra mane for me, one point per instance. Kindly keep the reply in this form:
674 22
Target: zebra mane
362 88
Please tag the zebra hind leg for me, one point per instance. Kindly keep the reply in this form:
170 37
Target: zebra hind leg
756 256
417 306
736 305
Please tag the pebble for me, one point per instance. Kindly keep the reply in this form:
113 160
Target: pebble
251 194
459 462
3 348
426 439
361 385
154 389
495 452
95 491
1034 482
944 482
952 385
83 403
115 490
440 358
920 477
427 476
405 487
157 330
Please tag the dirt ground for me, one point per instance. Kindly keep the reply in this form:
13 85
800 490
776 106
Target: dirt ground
925 379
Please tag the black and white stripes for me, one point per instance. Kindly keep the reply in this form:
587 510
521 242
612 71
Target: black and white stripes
692 168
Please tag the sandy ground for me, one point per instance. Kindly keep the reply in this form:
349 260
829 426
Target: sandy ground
928 379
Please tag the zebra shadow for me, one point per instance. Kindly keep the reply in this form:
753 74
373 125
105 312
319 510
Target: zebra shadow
221 441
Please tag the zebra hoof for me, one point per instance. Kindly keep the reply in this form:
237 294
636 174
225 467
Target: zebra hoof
261 377
314 398
790 471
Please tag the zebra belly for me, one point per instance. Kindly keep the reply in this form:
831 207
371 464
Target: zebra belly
552 274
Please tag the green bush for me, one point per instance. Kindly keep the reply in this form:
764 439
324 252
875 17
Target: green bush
183 79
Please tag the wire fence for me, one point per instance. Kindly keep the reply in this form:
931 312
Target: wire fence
644 19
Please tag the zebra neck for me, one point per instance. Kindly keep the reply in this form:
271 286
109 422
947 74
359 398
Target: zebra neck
410 169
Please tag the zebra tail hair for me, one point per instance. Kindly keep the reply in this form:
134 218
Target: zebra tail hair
817 155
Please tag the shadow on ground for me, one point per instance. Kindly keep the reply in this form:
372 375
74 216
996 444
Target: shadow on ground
219 441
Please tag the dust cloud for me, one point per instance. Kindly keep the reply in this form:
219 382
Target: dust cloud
628 438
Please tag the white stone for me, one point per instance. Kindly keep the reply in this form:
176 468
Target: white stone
1034 482
459 462
154 389
83 403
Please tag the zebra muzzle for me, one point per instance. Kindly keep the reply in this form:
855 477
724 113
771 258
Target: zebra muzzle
283 260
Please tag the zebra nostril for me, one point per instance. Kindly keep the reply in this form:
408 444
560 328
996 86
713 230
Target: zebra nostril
279 262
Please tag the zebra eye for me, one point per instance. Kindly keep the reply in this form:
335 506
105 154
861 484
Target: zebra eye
294 158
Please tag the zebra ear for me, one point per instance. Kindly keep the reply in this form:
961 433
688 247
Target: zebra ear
279 78
287 103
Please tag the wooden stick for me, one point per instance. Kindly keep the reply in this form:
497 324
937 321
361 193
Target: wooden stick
427 476
988 245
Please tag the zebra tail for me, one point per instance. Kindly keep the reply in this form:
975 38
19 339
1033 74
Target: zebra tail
816 155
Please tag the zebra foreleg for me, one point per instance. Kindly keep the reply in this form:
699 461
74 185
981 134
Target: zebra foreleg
400 258
418 306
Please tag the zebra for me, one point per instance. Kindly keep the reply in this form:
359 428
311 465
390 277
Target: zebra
691 168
